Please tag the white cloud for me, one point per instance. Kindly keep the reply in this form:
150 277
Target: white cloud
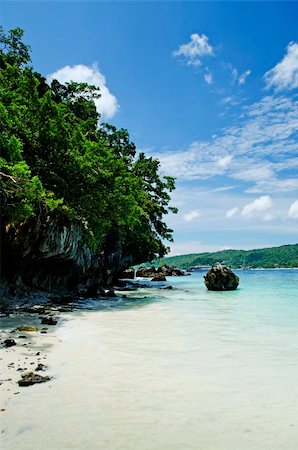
230 100
268 217
195 49
242 77
107 104
285 74
259 150
238 77
258 205
223 188
232 212
225 161
293 210
208 78
191 215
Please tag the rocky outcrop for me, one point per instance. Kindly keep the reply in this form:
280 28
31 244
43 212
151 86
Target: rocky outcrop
221 278
167 271
53 254
159 277
146 272
128 273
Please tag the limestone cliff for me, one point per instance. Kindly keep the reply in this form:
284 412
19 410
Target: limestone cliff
54 254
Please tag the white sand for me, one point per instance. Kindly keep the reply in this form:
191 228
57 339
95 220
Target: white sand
25 355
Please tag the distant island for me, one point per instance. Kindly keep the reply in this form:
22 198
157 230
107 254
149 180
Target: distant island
273 257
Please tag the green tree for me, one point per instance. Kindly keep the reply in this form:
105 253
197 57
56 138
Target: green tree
56 158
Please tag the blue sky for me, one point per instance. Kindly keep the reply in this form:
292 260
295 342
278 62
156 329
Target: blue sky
210 88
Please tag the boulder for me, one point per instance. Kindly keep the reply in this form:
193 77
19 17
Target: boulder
30 378
221 278
9 342
111 294
27 328
146 272
49 321
159 277
128 273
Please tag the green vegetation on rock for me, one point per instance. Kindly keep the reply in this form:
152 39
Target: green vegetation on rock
58 161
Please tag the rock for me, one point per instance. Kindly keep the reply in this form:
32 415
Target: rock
94 291
48 321
128 273
159 277
9 342
27 328
39 367
146 272
111 294
30 378
168 287
221 278
165 270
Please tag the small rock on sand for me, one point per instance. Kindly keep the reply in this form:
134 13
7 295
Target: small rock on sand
30 378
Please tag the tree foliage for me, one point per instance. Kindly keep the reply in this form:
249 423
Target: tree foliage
57 158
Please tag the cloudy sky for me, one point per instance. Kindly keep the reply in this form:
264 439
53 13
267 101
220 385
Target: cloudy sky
210 88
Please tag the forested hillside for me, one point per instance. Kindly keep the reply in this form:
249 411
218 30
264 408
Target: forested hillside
284 256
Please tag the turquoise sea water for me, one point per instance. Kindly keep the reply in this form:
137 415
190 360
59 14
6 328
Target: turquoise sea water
173 370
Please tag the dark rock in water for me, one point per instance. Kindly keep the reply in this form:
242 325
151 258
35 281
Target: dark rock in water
146 272
9 342
39 367
128 273
221 278
165 270
168 287
48 321
111 294
169 271
159 277
94 291
30 378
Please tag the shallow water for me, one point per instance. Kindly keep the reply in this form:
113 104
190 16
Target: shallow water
180 369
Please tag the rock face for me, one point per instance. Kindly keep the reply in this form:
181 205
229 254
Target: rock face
53 254
221 278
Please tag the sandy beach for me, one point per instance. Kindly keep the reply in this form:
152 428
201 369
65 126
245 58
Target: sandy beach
160 370
29 354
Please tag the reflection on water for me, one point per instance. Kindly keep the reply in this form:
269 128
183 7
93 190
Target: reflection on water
179 369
